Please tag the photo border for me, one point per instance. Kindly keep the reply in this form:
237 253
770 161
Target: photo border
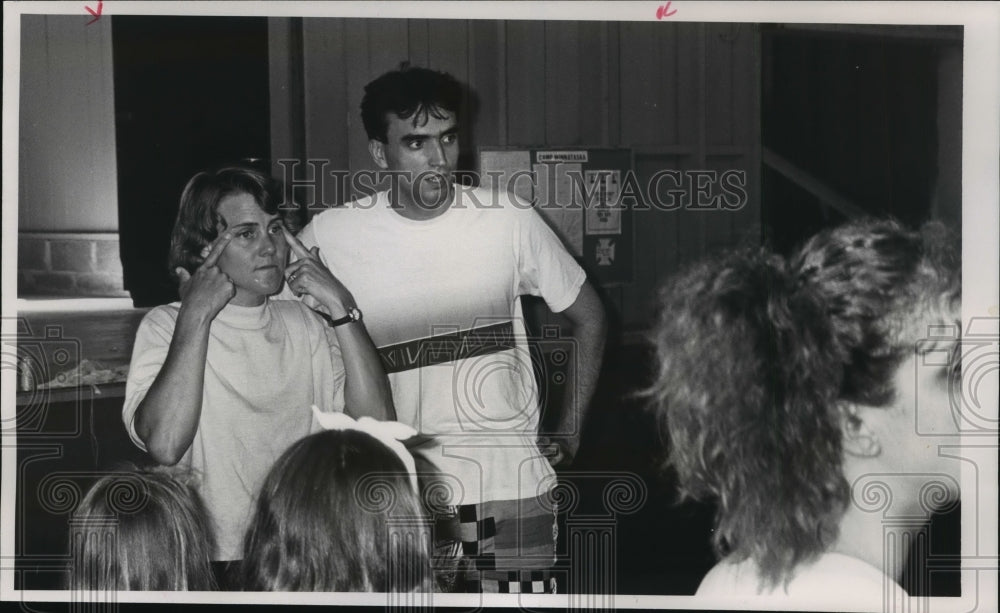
980 223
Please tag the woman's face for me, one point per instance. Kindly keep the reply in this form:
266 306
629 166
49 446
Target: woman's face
256 256
923 419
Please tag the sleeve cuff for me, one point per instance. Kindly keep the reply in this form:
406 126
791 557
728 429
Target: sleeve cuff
130 427
570 297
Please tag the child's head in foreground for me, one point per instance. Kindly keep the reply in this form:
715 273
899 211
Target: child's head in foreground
338 512
142 529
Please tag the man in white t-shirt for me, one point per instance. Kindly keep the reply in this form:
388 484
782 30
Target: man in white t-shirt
438 269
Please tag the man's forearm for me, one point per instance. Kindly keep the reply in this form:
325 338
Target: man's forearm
589 332
582 381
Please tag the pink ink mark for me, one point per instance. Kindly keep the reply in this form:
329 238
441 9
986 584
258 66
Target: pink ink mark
97 13
664 11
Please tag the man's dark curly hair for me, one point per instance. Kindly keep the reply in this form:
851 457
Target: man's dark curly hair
198 220
408 92
758 357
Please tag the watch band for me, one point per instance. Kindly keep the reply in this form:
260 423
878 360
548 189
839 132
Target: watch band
353 314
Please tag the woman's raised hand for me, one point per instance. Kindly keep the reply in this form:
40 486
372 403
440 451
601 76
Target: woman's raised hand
209 289
309 276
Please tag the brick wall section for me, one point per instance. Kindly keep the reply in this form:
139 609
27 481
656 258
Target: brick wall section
55 264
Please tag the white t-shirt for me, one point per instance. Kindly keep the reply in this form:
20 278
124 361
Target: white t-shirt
265 367
440 300
834 581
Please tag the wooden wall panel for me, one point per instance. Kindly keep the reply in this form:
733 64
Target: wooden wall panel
593 89
720 41
656 242
745 61
688 92
357 37
325 103
562 82
644 120
388 44
486 79
448 49
614 98
526 110
418 37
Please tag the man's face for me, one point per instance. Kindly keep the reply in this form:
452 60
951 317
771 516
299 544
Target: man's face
424 148
255 258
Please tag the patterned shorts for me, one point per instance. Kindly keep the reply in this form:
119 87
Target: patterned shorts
500 546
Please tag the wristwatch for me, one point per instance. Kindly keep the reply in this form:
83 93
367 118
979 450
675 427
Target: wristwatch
353 314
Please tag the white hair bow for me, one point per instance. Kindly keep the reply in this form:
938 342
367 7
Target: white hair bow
389 433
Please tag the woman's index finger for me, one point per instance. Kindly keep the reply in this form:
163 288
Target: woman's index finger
217 248
298 248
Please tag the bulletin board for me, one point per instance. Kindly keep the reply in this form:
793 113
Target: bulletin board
579 192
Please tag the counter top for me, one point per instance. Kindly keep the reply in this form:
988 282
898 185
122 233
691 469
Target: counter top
70 394
61 339
27 306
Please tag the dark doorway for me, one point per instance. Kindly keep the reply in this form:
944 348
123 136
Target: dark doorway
859 120
191 93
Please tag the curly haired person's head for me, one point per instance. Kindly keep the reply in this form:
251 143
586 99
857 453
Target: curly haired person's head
758 357
409 92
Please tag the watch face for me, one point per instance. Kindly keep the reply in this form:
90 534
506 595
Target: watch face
355 314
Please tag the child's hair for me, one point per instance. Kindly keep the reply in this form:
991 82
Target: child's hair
142 529
757 357
198 221
337 512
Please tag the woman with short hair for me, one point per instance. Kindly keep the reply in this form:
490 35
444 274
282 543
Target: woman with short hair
223 381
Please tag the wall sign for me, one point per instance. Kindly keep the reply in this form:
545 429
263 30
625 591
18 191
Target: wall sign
578 191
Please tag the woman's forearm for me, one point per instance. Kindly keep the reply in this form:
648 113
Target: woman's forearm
366 387
167 418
